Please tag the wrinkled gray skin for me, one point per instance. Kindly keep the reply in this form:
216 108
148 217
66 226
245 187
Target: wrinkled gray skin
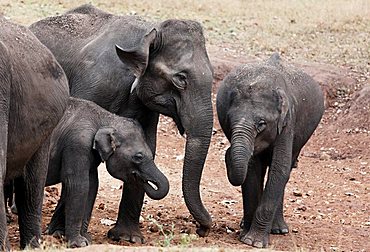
170 62
268 111
33 97
85 136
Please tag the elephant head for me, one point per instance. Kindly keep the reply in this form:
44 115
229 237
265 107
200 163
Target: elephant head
126 154
174 77
257 114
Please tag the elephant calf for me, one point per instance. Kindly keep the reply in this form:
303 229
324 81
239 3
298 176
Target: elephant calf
268 111
86 136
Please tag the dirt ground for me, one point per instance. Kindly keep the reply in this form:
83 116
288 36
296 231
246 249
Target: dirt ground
327 200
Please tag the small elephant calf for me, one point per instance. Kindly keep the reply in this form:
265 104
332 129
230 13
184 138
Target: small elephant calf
86 136
268 111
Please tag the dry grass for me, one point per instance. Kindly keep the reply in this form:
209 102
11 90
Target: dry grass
333 31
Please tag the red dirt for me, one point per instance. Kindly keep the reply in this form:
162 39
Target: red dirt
327 200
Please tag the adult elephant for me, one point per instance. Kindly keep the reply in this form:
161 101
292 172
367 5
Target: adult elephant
160 68
33 97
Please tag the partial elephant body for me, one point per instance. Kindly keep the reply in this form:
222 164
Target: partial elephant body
139 69
33 97
86 136
268 111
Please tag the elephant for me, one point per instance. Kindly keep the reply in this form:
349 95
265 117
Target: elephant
268 111
86 136
139 69
33 96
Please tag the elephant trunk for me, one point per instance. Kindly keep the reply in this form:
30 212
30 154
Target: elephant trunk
242 146
199 131
156 184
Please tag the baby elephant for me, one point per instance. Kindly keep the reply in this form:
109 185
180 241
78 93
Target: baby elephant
268 112
86 136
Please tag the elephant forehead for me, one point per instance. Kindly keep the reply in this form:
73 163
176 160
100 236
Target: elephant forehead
183 28
178 49
173 64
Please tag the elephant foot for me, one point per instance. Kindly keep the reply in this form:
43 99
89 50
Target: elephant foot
279 226
56 233
78 242
245 226
56 228
30 243
129 233
203 231
254 239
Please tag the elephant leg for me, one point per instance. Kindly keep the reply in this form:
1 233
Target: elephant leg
29 193
75 183
127 226
4 118
56 226
4 242
279 226
93 190
252 191
278 176
75 204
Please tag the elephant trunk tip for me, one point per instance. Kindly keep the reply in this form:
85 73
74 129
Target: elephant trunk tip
236 180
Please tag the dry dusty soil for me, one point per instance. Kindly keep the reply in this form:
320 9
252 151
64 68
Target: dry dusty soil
327 200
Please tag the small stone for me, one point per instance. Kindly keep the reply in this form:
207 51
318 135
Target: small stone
324 156
302 208
153 228
228 202
295 230
186 230
107 222
101 206
297 193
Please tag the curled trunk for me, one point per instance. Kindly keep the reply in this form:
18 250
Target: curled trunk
156 184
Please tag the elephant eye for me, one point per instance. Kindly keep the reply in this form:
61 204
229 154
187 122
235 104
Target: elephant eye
138 157
261 125
179 80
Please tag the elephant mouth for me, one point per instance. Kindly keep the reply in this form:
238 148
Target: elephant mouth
179 125
153 188
168 107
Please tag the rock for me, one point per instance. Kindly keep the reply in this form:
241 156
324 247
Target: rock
101 206
153 228
297 193
302 208
324 156
107 222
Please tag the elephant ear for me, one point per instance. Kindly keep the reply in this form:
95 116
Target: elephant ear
105 142
137 57
283 108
